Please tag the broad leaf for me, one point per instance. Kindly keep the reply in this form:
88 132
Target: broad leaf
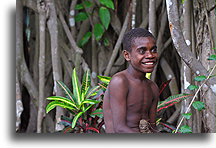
170 101
185 129
85 39
200 78
192 87
107 3
212 57
105 79
98 31
104 15
81 17
164 85
86 82
106 42
198 105
53 104
88 101
76 87
92 91
98 112
62 99
187 115
79 7
76 118
87 4
66 90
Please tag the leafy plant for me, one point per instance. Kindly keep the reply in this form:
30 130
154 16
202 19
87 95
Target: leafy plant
97 29
82 104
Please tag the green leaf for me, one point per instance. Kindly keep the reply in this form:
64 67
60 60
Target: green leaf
92 91
107 3
53 104
198 105
86 82
66 90
192 87
88 101
81 17
97 112
187 115
212 57
185 129
76 118
104 79
104 15
106 42
200 78
62 99
98 31
76 87
88 4
79 7
84 39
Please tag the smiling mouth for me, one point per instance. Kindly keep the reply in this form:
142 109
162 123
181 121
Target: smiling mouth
148 63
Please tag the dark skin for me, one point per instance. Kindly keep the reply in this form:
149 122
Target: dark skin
130 96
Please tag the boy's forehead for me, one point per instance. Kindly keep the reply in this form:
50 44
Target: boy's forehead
148 39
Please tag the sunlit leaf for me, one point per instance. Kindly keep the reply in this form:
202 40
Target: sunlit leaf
198 105
200 78
187 115
107 3
98 31
76 118
53 104
185 129
104 15
81 17
192 87
105 79
62 99
76 87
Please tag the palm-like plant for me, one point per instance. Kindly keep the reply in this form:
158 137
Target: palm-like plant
80 103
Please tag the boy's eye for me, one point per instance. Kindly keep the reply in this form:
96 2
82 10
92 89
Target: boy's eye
154 50
141 51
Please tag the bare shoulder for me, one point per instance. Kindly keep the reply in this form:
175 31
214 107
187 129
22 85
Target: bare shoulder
119 80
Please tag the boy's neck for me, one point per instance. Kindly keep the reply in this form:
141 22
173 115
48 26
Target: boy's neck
135 73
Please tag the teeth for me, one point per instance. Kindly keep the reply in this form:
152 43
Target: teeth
150 63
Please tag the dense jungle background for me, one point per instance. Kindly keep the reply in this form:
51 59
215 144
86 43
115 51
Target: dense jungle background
55 36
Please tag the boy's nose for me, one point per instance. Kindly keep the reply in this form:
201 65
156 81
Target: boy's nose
149 54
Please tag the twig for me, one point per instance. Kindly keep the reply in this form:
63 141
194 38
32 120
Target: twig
195 97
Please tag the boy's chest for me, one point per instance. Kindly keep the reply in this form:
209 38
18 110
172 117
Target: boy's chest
140 96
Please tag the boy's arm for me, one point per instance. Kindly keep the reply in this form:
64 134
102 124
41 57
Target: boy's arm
118 89
153 109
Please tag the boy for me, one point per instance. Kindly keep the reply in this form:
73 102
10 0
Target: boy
130 101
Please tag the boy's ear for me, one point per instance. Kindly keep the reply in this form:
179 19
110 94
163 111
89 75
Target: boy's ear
126 55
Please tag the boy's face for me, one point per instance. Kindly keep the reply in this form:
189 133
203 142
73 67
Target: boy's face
143 55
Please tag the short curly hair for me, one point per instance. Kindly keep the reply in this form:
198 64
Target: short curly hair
132 34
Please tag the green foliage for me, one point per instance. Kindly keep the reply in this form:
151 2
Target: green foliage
104 17
212 57
106 42
81 17
198 105
185 129
187 115
200 78
107 3
78 103
192 87
98 31
85 39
